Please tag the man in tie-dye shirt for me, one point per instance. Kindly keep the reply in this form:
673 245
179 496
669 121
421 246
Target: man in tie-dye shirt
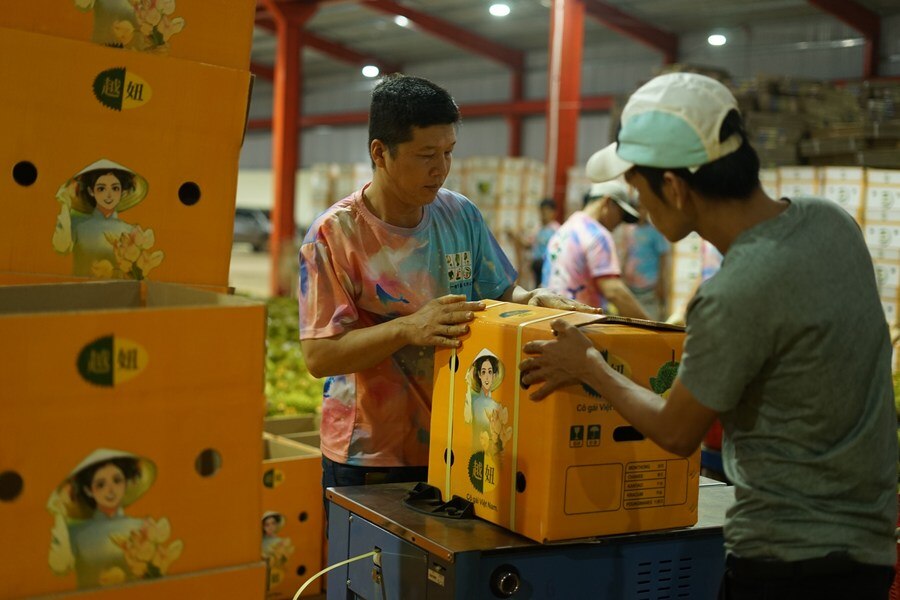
582 262
387 274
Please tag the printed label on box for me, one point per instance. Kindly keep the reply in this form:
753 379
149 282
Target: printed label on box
110 360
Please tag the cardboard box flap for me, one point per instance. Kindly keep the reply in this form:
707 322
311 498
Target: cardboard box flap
95 296
218 32
632 322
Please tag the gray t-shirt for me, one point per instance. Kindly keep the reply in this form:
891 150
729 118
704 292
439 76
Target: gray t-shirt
789 344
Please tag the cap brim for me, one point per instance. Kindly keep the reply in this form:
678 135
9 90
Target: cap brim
605 164
629 213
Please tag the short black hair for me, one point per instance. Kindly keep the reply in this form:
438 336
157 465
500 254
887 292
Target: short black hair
548 203
401 102
733 176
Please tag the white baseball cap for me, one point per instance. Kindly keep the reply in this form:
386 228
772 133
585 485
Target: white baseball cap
619 193
672 121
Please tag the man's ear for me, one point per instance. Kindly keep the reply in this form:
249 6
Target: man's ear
378 152
677 192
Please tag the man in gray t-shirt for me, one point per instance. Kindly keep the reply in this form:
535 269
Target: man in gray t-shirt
787 345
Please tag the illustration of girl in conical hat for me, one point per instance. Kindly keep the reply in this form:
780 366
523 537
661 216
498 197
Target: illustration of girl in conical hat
91 533
88 224
276 550
487 416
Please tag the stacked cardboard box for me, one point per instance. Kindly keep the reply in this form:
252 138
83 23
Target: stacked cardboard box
882 233
547 489
870 138
293 515
131 409
687 272
847 187
865 143
798 181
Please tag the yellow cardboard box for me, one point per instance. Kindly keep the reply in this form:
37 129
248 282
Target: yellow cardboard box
124 165
292 517
569 466
246 582
218 32
130 418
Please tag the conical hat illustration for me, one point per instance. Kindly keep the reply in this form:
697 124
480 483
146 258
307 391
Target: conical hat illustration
129 199
134 489
472 374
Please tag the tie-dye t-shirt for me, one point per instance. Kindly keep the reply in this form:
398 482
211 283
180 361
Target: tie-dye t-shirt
357 271
580 251
644 246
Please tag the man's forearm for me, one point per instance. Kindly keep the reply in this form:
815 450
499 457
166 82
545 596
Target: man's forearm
616 292
356 350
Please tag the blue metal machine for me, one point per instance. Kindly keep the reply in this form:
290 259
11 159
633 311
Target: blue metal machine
425 557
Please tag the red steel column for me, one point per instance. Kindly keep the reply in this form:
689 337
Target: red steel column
513 120
564 95
287 97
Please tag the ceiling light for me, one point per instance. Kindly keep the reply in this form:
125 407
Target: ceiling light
717 39
370 71
499 9
401 20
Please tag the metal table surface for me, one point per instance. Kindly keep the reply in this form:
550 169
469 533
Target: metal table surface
383 506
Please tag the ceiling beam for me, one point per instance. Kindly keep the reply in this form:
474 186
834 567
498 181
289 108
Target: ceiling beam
632 27
863 20
451 33
521 108
345 53
333 49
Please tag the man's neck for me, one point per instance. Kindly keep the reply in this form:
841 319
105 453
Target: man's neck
389 208
721 221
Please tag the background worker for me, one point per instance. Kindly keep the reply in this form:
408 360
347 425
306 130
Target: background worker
787 344
646 264
386 275
536 241
582 262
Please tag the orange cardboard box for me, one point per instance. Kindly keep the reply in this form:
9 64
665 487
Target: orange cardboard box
246 582
124 165
130 419
292 517
569 466
218 32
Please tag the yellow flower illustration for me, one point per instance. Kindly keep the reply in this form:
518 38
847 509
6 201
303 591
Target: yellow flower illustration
166 7
123 32
134 259
169 27
102 269
158 531
147 549
166 554
112 576
156 23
